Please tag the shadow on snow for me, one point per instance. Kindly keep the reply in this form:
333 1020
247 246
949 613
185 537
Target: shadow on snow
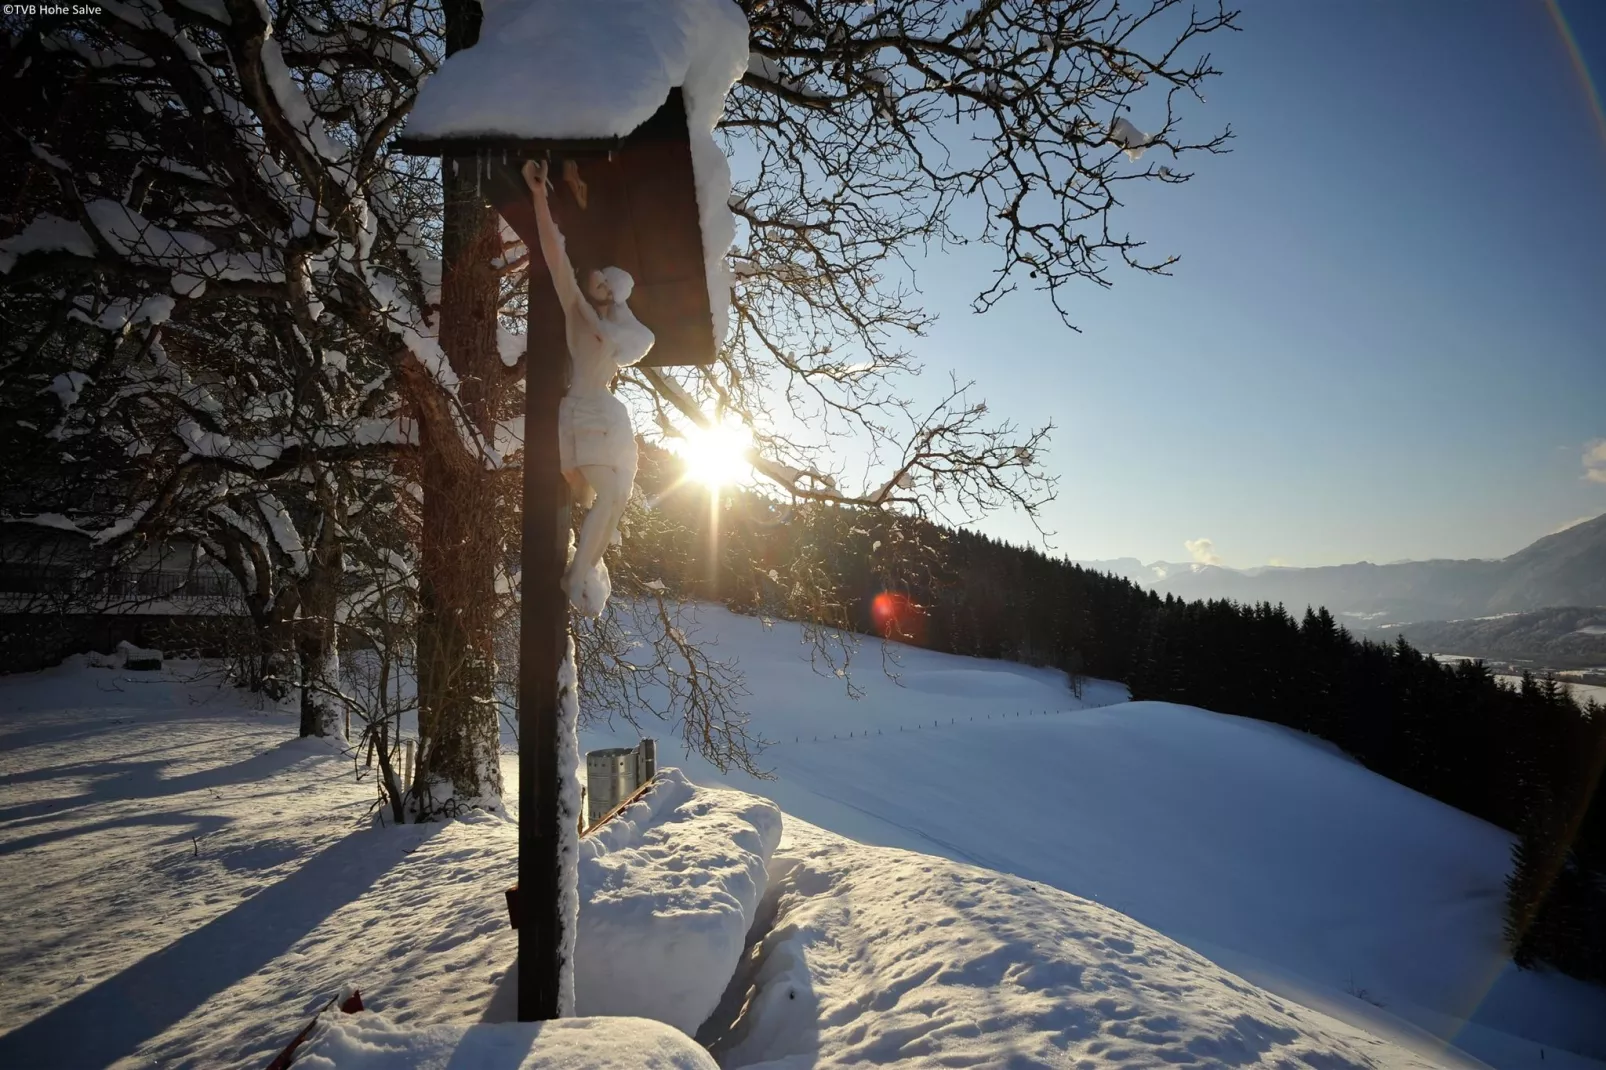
118 1015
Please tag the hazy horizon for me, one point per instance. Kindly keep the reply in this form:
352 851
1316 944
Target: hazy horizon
1195 553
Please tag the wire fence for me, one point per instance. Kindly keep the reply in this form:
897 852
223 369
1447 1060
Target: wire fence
936 724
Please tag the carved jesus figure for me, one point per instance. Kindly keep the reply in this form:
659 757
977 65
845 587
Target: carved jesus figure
596 444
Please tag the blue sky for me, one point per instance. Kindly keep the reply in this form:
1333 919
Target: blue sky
1386 338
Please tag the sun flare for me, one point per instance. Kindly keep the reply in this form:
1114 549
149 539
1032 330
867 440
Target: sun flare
715 456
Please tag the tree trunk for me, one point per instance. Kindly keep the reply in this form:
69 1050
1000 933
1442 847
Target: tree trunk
275 666
457 718
275 639
317 649
458 726
319 664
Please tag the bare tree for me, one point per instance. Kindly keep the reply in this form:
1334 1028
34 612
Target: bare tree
871 133
232 314
222 274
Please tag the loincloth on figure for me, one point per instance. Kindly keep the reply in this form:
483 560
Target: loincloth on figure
594 429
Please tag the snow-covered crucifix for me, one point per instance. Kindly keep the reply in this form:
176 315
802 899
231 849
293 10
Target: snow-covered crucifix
629 92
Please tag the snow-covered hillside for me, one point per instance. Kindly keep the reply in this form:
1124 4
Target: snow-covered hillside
187 884
1265 850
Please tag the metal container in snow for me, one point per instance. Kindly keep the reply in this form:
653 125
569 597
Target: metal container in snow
612 775
610 778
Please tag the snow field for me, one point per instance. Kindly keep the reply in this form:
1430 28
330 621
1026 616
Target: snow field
189 884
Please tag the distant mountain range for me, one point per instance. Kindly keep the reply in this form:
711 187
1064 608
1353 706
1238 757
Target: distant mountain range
1564 569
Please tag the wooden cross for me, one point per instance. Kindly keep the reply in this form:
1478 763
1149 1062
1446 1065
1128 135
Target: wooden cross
639 212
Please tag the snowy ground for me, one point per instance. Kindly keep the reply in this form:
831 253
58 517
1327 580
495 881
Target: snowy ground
187 885
1263 849
376 1042
876 956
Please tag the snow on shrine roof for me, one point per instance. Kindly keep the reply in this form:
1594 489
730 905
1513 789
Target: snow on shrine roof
597 69
577 69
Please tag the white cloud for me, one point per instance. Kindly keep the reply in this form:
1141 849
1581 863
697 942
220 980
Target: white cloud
1574 523
1278 562
1204 551
1595 461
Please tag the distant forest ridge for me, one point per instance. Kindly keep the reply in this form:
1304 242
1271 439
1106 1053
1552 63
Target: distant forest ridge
1562 637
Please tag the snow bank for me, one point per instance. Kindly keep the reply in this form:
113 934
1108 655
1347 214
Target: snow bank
583 69
669 890
125 656
372 1042
884 957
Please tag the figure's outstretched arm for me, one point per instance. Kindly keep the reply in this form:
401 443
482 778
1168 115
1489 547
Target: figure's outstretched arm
552 246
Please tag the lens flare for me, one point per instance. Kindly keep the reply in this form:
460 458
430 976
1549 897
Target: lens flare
1569 41
896 617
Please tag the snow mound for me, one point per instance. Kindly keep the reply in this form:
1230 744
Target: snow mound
669 890
372 1042
879 956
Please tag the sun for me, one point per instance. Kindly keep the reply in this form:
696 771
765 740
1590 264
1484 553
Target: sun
715 456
